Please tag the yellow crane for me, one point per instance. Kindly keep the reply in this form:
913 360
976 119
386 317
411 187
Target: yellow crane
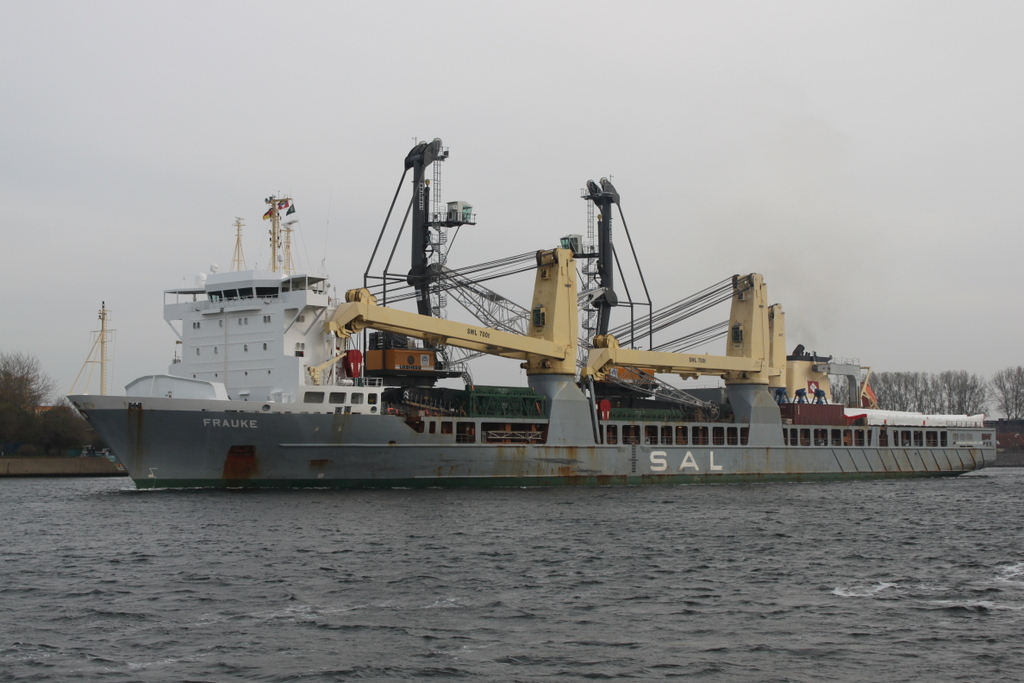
754 359
547 348
755 350
755 356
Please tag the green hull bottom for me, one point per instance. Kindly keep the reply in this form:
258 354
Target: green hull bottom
530 482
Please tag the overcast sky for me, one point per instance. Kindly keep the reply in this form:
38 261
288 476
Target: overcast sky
866 157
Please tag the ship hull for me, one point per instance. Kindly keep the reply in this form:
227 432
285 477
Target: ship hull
169 443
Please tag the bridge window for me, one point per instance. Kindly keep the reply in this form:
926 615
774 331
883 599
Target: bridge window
630 434
943 439
446 427
371 399
805 437
847 437
931 439
611 434
744 435
700 436
837 437
905 439
731 436
681 436
666 436
357 397
465 432
820 437
718 436
883 438
858 437
337 397
651 435
313 397
918 437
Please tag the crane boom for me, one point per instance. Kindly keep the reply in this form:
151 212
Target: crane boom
548 347
751 341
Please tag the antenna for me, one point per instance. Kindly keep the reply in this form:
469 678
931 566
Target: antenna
280 254
289 264
238 260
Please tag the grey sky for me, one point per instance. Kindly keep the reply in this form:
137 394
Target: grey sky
864 156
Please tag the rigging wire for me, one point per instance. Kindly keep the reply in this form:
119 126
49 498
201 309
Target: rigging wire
478 273
369 264
695 339
672 314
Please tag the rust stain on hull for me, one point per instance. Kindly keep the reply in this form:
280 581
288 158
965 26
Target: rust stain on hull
240 463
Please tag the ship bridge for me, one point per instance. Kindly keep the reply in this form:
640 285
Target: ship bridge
254 331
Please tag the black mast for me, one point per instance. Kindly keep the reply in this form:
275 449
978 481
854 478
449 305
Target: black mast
603 197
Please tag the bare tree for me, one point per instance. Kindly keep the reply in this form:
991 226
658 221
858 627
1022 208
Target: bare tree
23 387
951 392
960 393
61 428
840 388
23 384
899 390
1008 392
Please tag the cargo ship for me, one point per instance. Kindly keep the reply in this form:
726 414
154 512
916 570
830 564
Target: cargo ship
277 384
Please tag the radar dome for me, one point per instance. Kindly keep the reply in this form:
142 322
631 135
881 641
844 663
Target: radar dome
214 268
201 280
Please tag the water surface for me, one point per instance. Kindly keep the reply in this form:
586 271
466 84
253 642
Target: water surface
919 580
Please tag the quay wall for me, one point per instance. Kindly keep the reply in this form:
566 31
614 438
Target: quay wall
59 467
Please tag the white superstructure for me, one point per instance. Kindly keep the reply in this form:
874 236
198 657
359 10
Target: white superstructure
254 331
258 335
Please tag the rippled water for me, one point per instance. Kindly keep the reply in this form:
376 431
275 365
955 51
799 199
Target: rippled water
872 581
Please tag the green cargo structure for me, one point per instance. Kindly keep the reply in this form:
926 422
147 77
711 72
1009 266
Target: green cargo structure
503 402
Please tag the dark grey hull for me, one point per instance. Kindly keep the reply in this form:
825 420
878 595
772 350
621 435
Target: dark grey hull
184 443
